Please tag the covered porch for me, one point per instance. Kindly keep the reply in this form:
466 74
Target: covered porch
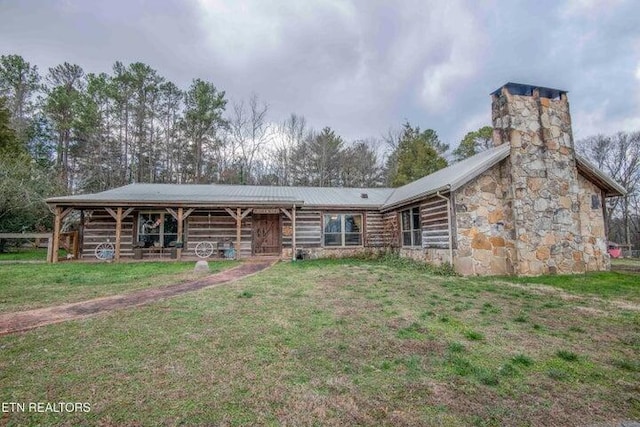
137 231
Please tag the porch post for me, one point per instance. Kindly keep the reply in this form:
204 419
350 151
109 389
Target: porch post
180 228
293 233
57 225
118 232
238 231
50 249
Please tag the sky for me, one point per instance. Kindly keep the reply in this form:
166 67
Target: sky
361 67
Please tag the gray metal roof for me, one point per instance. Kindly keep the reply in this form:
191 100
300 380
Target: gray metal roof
604 181
216 194
445 180
448 179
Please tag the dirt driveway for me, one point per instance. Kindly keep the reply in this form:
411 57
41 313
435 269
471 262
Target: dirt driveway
25 320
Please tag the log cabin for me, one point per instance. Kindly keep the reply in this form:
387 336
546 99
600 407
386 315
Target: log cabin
527 206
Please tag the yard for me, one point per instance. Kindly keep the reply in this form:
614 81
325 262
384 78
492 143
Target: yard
335 343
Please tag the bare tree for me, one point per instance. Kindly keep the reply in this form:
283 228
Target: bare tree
619 156
250 132
290 135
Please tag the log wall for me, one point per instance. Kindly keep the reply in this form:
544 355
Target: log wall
216 226
435 223
308 229
376 235
100 227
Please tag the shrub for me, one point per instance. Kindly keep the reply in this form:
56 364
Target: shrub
474 335
245 294
569 356
456 347
522 359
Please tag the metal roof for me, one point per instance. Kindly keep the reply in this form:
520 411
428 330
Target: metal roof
602 180
216 194
448 179
199 195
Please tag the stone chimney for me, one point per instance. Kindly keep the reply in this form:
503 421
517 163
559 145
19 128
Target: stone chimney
544 190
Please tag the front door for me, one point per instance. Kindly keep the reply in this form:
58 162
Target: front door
266 235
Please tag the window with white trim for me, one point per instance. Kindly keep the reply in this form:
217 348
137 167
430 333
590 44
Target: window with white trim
343 230
411 227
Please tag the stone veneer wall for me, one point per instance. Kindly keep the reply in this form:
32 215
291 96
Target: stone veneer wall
484 223
545 191
593 229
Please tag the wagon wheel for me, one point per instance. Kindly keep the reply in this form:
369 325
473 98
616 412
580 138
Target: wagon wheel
104 251
204 249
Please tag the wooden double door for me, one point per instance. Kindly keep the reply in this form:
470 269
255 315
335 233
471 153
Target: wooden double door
266 234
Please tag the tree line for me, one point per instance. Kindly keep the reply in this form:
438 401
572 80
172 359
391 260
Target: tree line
68 131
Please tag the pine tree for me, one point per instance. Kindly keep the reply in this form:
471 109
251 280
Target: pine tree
418 154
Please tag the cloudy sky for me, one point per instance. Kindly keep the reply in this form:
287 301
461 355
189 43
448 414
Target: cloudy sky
358 66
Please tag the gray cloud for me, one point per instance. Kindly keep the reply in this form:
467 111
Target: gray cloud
358 66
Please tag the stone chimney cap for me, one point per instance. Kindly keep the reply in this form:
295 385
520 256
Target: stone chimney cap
527 90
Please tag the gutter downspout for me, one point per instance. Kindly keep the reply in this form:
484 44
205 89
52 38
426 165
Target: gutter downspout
449 224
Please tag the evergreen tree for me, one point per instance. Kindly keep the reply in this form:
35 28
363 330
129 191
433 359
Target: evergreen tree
325 151
418 154
474 142
202 122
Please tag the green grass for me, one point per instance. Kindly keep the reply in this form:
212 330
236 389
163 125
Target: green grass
27 286
336 343
626 262
609 284
29 254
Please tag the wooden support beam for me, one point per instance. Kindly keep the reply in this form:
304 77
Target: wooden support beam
187 213
76 245
238 231
57 225
230 212
293 232
118 232
245 213
286 212
180 230
65 212
127 213
112 213
173 213
50 249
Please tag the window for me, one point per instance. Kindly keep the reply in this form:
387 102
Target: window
157 229
343 230
595 201
411 228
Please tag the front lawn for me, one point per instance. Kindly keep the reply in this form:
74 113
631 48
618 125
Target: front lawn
27 254
339 343
613 284
27 286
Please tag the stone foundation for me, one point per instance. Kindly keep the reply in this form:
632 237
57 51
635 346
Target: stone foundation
432 256
320 252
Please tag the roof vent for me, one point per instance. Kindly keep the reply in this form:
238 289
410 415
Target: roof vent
364 196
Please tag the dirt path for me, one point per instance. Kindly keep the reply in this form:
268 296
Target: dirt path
25 320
